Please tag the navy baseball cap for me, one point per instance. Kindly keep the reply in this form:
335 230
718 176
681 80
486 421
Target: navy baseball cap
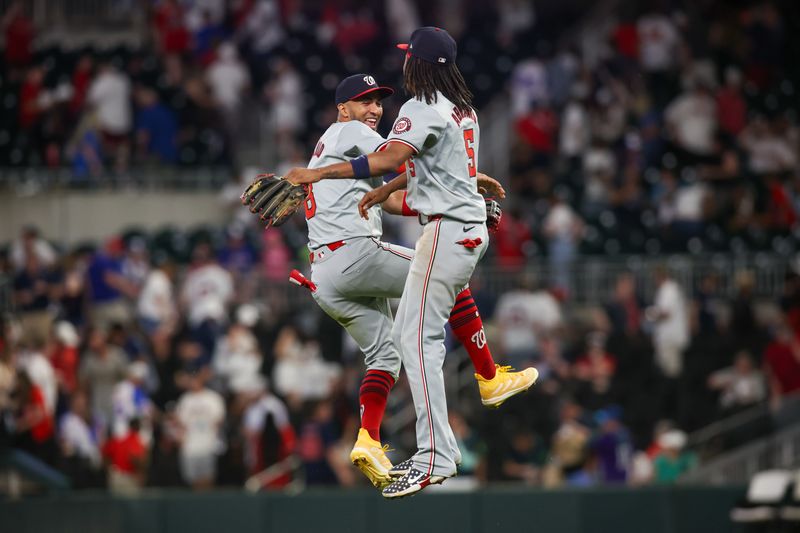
358 85
431 44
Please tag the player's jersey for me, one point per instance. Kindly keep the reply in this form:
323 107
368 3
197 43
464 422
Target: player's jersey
443 172
332 206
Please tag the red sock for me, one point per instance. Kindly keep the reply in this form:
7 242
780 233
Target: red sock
372 396
467 326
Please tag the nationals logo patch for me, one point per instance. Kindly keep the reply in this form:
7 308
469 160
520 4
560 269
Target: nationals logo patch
401 125
318 149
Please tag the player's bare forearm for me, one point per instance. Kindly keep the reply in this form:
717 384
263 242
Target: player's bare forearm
398 183
394 204
380 163
381 194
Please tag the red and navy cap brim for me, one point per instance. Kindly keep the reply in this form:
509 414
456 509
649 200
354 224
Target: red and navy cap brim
385 91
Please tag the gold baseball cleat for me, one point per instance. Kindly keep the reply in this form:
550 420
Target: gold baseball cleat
370 457
505 384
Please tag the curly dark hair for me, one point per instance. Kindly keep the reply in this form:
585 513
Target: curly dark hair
422 79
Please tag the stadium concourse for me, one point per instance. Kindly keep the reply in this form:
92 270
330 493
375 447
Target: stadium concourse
182 358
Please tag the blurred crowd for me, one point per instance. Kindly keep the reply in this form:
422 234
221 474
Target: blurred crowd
211 78
659 127
125 370
666 127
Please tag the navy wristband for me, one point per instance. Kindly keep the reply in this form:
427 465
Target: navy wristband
390 176
360 167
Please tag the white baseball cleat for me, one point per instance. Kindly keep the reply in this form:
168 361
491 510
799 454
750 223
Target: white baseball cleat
411 483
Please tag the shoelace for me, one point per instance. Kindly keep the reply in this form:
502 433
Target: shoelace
506 368
385 448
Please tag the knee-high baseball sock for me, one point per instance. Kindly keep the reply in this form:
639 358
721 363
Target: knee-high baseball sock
372 396
467 326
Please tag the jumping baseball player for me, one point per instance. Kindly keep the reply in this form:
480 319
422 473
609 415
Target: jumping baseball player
354 273
437 134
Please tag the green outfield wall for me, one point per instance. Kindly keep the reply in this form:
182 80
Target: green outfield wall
646 510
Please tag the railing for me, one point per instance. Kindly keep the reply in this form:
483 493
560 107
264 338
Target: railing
93 13
592 277
28 181
722 435
781 450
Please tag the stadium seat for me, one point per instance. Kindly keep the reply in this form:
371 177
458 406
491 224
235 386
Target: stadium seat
765 494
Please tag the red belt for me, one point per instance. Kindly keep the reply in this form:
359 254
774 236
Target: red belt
331 246
424 219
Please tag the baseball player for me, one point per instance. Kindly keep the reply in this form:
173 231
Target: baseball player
437 135
354 273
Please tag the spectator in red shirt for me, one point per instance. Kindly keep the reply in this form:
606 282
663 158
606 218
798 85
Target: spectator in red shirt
782 364
63 355
512 237
731 106
81 79
34 425
626 39
538 129
596 363
19 34
29 93
127 460
173 37
780 214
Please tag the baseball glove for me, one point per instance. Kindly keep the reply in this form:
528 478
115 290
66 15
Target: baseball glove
273 199
493 214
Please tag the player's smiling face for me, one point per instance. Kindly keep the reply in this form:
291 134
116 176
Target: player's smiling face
367 109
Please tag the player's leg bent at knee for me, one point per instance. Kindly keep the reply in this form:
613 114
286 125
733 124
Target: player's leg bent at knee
369 323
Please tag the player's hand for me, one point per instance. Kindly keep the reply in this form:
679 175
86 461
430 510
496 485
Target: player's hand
301 176
488 186
373 197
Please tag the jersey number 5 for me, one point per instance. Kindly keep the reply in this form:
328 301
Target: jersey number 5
469 138
311 203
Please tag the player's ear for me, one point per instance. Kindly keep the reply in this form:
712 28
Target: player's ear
343 111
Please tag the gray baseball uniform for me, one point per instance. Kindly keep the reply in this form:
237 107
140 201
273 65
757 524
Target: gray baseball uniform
442 187
356 279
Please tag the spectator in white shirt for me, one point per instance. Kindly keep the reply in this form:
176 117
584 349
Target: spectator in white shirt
237 359
740 386
229 80
78 441
563 229
285 95
136 263
658 42
30 242
157 306
110 97
670 316
200 413
770 150
207 289
528 86
691 120
575 132
41 372
522 316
